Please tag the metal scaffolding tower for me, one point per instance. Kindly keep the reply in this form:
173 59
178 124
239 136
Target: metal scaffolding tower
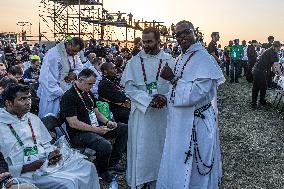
89 19
67 17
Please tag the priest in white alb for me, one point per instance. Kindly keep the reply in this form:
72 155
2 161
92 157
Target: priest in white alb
147 121
25 145
191 157
60 66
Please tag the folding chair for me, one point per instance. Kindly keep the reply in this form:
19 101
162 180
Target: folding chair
51 122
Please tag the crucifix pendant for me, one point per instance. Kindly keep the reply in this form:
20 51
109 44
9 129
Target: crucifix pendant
188 155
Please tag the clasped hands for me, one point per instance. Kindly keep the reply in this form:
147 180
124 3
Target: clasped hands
158 101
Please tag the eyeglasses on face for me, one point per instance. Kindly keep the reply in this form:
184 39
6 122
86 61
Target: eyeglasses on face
184 33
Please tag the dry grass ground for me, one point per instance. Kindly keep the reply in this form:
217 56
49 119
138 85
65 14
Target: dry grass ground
251 140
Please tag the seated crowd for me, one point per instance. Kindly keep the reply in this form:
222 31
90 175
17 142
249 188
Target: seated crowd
92 108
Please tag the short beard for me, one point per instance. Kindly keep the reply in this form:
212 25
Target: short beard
191 42
152 51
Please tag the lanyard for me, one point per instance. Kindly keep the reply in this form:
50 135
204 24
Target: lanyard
184 65
181 74
116 84
81 97
144 72
17 136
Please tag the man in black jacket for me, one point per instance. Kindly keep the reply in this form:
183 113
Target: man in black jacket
252 58
212 47
263 66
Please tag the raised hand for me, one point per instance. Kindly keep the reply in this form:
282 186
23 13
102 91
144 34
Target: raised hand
167 73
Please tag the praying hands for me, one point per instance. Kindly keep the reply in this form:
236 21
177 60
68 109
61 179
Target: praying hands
159 101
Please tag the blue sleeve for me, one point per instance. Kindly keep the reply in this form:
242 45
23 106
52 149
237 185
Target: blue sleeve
27 75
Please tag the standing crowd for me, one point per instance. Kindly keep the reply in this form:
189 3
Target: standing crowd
260 64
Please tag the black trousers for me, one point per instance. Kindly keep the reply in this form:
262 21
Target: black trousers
249 76
121 114
107 155
243 66
259 86
227 66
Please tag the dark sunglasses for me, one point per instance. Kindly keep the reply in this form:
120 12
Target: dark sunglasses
184 32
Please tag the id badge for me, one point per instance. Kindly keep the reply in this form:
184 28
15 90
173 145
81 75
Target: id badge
93 118
30 154
152 88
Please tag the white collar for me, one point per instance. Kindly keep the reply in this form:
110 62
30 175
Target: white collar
194 47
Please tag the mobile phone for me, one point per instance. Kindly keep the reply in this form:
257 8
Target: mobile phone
5 180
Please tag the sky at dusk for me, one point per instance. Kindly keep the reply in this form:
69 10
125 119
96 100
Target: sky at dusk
243 19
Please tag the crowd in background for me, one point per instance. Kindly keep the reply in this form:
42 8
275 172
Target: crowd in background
33 66
22 62
260 64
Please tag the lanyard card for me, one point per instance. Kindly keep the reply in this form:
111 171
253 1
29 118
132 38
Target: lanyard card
152 88
30 154
93 118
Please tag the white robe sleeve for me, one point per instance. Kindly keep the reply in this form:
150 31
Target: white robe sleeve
45 139
16 170
53 83
139 98
191 93
49 77
78 65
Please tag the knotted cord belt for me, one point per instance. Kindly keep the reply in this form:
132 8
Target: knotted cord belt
198 112
193 138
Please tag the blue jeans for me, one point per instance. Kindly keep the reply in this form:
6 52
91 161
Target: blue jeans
234 72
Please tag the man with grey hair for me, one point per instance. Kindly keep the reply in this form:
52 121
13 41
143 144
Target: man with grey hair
191 156
88 128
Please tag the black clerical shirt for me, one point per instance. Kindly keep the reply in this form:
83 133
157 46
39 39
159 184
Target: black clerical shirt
110 90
